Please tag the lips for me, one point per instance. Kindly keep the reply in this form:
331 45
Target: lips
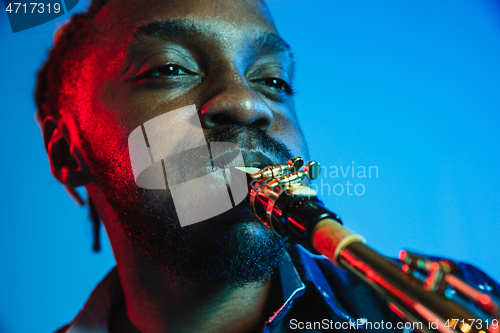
226 158
257 159
203 187
195 163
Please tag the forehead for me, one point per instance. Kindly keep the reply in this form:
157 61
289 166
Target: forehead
228 35
221 18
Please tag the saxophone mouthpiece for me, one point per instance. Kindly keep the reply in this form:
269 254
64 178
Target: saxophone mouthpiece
248 170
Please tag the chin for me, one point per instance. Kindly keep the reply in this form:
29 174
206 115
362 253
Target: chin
240 217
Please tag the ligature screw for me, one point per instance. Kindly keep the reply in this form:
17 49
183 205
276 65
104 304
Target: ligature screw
295 164
274 171
311 171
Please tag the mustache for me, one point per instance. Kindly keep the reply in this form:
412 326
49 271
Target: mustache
251 140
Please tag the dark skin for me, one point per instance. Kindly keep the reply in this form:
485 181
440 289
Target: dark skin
236 71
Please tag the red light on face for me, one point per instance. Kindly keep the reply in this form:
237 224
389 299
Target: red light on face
429 280
485 300
405 268
435 265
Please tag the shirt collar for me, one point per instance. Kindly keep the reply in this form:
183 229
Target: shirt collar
96 312
298 269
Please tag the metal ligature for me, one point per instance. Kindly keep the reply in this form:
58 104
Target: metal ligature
417 289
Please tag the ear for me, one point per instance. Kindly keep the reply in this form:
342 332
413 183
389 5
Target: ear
66 163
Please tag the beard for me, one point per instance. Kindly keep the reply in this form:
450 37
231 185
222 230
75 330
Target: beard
231 249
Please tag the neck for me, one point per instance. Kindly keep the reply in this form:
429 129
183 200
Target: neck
158 302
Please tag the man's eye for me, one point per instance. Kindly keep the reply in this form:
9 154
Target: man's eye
276 83
167 70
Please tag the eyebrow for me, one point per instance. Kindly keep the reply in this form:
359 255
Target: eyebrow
174 29
186 29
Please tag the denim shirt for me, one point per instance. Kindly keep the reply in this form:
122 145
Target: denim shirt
317 297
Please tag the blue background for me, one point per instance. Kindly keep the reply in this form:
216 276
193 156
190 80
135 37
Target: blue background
409 86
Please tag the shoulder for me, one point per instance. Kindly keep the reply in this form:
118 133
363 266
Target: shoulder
474 276
96 312
63 329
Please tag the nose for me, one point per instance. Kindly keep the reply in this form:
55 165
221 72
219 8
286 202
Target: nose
236 104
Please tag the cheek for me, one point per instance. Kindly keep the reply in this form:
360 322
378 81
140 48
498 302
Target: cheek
105 145
286 129
296 143
100 134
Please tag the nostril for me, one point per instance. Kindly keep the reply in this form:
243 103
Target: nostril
225 119
261 123
220 119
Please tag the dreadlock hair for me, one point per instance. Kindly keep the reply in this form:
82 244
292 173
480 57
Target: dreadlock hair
50 78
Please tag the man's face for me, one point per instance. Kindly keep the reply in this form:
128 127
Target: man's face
152 57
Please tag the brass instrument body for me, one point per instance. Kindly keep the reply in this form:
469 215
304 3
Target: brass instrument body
293 211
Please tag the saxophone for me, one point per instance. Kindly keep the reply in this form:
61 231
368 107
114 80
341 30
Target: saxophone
417 289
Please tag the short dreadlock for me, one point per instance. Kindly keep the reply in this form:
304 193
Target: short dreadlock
51 76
